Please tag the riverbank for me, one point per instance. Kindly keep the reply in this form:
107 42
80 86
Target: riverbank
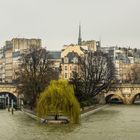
92 110
84 113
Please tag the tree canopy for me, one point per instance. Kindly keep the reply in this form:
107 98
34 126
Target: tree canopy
58 98
34 74
96 74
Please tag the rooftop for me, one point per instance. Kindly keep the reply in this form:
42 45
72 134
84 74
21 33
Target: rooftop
54 54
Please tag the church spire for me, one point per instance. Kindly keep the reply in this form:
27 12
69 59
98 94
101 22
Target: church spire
79 38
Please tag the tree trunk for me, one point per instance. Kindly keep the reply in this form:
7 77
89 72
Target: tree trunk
56 117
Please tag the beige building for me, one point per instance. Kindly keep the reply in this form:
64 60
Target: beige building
69 55
9 56
8 62
72 48
69 58
22 44
92 45
68 65
70 52
129 73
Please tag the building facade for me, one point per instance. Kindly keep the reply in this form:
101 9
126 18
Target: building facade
55 58
9 56
69 60
125 60
70 52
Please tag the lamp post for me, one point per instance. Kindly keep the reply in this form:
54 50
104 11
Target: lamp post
7 95
5 101
12 106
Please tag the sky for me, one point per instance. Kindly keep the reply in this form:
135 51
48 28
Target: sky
115 22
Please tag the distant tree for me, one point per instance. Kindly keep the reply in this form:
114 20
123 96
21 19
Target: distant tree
58 99
135 74
135 50
128 77
95 76
34 74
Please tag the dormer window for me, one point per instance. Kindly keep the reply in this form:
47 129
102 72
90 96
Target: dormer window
66 60
75 60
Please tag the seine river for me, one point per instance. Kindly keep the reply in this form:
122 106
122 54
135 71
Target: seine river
116 122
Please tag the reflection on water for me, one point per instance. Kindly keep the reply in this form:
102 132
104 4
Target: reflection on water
116 122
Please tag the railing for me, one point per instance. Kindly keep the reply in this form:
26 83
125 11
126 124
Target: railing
126 85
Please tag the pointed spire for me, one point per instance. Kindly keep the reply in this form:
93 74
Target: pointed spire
79 38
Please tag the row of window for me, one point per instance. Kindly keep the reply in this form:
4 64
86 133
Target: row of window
75 68
67 60
66 75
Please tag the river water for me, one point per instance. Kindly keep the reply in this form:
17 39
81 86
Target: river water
116 122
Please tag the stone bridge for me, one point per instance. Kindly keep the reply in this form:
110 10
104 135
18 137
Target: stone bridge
126 93
8 88
8 92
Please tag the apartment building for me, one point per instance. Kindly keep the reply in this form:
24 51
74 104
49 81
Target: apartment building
2 65
69 59
9 56
55 58
68 65
92 45
125 59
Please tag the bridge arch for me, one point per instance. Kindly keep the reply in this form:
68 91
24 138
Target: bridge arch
10 92
108 97
6 99
135 97
8 89
113 98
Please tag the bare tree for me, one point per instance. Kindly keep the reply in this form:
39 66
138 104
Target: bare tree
95 76
135 74
34 74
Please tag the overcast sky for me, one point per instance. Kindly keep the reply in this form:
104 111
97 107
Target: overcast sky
116 22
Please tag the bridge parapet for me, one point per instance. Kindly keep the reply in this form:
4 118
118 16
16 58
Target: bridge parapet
9 88
127 85
126 92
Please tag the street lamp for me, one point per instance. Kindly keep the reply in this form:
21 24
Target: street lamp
12 106
7 95
4 101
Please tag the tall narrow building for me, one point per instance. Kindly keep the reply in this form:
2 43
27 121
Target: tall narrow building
79 37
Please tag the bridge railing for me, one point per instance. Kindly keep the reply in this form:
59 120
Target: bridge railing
126 85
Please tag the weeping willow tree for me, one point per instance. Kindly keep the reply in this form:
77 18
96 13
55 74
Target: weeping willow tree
58 98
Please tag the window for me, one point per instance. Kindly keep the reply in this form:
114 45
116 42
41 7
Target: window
70 67
66 75
75 68
75 60
65 67
70 75
66 60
